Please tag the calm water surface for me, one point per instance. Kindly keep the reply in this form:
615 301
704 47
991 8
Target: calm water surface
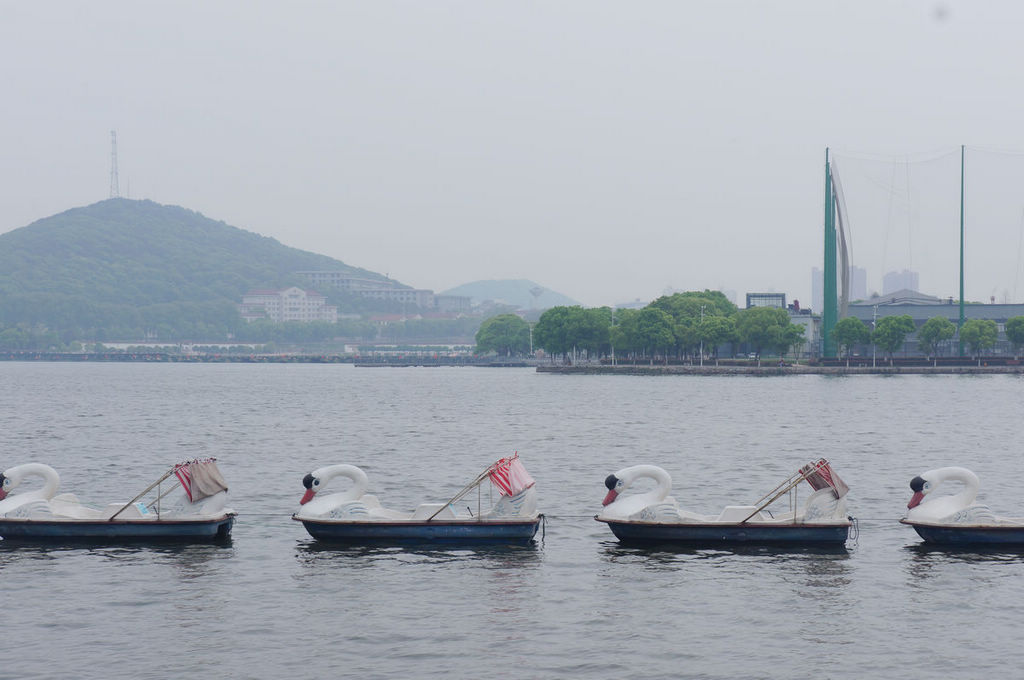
275 604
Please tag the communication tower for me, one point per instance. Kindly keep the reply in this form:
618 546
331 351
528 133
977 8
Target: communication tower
115 192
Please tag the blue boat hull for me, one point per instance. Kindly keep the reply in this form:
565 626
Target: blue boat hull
710 534
969 536
462 531
53 531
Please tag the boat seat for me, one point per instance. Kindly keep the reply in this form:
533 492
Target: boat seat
133 511
68 505
425 510
738 513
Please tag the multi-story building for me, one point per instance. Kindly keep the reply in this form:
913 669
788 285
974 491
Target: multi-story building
904 280
344 281
290 304
412 296
452 303
386 290
766 300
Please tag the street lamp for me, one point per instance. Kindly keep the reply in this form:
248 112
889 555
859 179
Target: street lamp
874 321
611 336
701 331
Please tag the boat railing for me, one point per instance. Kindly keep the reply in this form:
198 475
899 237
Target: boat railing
466 489
818 474
149 488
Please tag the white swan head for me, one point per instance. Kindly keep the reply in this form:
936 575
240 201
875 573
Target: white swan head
925 507
624 478
927 482
617 506
317 480
12 477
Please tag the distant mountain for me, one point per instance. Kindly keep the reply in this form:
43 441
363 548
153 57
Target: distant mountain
123 268
517 292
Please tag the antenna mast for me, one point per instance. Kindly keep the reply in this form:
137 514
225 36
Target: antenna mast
115 192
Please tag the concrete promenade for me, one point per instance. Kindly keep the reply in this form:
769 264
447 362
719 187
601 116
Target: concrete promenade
774 370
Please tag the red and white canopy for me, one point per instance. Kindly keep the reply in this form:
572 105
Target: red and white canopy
821 475
510 476
200 478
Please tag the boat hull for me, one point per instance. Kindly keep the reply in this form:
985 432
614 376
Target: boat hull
968 535
63 531
718 533
458 531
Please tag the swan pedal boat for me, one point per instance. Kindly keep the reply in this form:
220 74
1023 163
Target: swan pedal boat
956 519
355 517
655 517
197 514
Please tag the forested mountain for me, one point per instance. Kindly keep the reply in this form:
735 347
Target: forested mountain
124 269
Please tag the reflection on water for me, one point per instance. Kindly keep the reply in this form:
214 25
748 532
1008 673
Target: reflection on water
316 554
929 561
678 553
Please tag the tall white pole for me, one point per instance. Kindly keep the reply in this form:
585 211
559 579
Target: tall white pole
874 322
702 335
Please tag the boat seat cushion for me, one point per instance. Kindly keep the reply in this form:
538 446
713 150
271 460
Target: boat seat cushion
425 510
738 513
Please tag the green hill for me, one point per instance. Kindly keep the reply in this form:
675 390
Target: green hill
124 269
516 292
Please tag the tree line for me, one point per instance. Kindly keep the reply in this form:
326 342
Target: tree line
679 326
38 336
891 332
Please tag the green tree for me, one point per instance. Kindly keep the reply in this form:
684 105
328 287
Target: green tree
1015 333
765 327
592 330
791 337
935 331
623 334
506 334
654 332
891 332
849 333
980 334
552 331
715 331
687 311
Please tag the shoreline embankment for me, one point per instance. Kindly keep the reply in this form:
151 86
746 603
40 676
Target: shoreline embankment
774 370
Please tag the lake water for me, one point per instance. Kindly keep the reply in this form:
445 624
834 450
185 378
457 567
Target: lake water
275 604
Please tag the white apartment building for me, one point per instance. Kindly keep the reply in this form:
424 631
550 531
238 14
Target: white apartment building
290 304
385 290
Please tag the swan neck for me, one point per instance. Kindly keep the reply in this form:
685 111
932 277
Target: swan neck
966 495
660 491
51 480
358 477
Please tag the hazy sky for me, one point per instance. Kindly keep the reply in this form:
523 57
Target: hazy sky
606 150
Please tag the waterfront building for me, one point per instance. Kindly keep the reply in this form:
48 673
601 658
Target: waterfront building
921 307
290 304
385 289
452 303
344 281
766 300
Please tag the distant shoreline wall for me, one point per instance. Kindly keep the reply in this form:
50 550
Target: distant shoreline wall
767 370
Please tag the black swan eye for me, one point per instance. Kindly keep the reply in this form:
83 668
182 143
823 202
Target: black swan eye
610 481
917 484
